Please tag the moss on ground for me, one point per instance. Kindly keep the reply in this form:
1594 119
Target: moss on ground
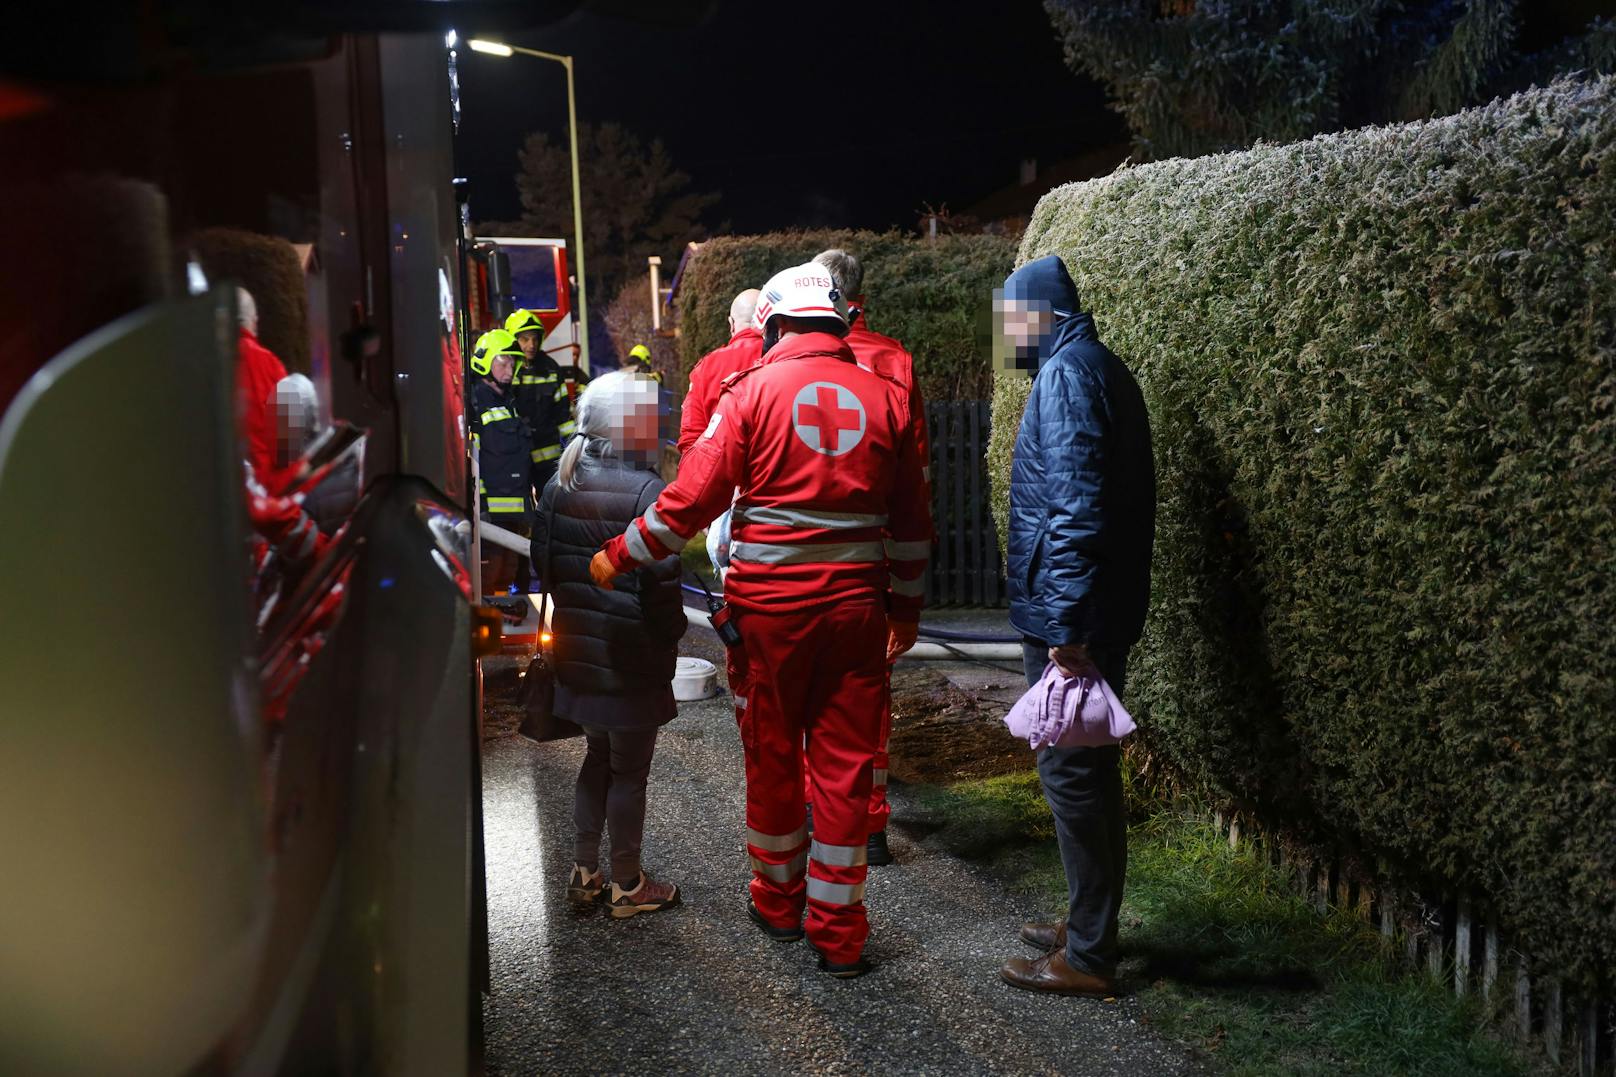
1224 956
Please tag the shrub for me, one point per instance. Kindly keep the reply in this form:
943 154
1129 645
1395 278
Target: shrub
1379 366
933 295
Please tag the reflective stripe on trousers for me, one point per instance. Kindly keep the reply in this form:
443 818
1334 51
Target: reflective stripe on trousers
549 452
807 553
788 872
507 504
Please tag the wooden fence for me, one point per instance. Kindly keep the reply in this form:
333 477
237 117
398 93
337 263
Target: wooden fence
1454 940
966 567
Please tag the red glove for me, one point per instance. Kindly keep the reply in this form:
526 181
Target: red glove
900 637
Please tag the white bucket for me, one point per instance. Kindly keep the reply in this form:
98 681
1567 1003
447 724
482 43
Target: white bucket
694 678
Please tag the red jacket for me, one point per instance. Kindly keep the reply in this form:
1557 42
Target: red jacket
831 502
886 356
257 372
743 350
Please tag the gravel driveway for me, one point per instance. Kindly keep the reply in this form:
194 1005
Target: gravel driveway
698 989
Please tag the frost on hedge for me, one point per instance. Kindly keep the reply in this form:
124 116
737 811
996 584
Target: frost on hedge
933 295
1380 369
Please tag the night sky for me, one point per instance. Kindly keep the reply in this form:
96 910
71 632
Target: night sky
917 106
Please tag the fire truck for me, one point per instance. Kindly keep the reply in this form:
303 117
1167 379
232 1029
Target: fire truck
240 814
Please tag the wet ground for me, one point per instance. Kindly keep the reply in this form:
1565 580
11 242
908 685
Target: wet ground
698 989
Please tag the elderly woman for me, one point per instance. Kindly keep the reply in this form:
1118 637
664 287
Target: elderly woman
614 650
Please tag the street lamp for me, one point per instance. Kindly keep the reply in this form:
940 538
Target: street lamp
499 48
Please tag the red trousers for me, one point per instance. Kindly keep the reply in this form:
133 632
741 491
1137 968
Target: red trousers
880 810
813 678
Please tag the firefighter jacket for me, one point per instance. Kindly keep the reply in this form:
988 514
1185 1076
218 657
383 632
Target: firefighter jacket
707 377
503 447
830 503
543 401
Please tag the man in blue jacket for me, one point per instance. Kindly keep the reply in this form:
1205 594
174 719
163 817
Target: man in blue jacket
1082 517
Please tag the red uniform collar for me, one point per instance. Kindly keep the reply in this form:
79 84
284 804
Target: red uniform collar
807 344
747 333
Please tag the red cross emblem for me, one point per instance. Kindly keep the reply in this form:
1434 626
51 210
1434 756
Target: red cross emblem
827 417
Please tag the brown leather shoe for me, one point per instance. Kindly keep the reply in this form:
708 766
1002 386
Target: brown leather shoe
1053 975
1044 936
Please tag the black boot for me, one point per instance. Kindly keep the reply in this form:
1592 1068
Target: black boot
876 852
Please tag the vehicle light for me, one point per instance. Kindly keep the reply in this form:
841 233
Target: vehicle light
545 637
487 631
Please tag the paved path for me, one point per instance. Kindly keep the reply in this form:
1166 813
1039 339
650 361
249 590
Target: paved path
698 989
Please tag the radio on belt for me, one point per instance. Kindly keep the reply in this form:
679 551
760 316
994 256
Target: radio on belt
722 616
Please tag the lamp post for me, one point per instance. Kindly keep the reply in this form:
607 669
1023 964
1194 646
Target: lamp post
499 48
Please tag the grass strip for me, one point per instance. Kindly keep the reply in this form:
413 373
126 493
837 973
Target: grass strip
1223 955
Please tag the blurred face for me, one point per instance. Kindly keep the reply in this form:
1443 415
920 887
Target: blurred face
528 342
502 369
1019 328
635 410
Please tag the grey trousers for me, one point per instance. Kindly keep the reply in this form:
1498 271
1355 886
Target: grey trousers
1083 787
611 792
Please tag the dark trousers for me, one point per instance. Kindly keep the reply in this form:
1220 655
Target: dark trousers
1083 787
611 792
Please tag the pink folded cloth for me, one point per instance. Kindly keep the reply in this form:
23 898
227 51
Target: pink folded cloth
1069 712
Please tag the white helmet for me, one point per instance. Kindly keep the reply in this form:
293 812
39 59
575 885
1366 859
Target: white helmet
804 291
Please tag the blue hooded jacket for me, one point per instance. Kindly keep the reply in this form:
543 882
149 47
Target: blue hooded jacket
1082 484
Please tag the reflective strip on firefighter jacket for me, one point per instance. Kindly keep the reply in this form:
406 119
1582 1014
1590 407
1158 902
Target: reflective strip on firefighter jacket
494 415
908 551
811 553
784 517
568 428
507 504
777 843
906 588
549 452
835 893
561 391
839 856
788 872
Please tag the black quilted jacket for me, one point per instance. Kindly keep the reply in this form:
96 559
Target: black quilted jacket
618 642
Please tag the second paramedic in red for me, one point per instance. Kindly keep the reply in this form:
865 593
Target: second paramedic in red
831 508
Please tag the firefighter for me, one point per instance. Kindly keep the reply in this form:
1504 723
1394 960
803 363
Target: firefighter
824 587
541 396
892 360
503 444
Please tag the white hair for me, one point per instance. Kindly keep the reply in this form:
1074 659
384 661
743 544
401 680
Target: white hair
601 411
246 310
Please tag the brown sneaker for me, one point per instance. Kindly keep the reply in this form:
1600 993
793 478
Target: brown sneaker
1044 936
1051 974
583 886
648 896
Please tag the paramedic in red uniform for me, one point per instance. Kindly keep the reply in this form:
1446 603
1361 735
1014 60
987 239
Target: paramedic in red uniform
744 349
831 500
886 357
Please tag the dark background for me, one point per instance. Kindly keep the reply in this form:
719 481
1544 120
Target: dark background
862 119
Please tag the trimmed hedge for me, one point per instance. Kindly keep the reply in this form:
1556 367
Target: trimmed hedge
933 295
1380 372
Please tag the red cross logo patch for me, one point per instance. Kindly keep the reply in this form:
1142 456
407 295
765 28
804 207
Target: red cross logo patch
827 417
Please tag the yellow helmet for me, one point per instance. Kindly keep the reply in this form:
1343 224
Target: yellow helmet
524 321
492 343
640 352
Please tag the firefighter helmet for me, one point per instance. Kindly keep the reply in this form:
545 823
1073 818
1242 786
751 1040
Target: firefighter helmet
804 291
524 321
492 343
640 352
